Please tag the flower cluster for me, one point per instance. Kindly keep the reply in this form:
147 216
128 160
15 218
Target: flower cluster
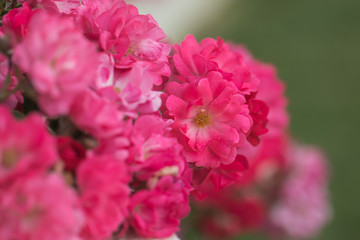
283 193
114 133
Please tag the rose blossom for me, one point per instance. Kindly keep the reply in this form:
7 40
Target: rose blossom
25 146
128 36
302 208
152 152
39 207
16 20
195 60
104 195
131 90
97 115
211 119
58 60
157 212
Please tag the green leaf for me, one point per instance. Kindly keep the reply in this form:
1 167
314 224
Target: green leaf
18 115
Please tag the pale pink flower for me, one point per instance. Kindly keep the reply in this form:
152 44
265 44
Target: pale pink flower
157 212
132 90
211 119
59 61
25 146
104 194
64 6
128 36
303 208
105 71
69 7
153 154
39 207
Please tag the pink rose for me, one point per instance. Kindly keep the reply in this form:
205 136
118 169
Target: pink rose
104 195
157 212
39 207
25 146
59 61
211 119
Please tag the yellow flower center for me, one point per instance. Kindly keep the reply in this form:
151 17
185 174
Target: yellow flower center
117 90
9 158
129 51
202 119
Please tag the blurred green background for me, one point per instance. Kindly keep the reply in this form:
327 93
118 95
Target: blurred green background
315 45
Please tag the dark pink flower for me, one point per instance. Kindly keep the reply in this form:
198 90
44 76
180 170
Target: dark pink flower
71 152
104 194
210 119
15 22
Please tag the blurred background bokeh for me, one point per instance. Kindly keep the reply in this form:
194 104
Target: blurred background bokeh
315 45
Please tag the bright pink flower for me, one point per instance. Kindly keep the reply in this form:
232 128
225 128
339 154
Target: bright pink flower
15 22
39 207
128 36
71 152
25 146
303 208
157 212
210 119
97 115
194 61
153 154
59 61
15 98
104 193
